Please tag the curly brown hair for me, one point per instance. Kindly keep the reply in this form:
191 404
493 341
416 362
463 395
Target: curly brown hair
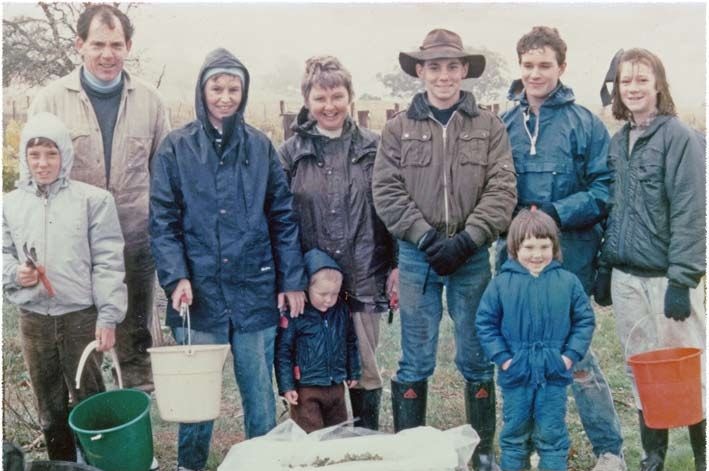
665 104
539 37
326 72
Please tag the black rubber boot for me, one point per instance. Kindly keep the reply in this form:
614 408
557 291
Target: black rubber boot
365 407
698 438
480 411
408 404
654 443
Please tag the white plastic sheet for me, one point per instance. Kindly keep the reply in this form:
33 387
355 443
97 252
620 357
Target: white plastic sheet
340 448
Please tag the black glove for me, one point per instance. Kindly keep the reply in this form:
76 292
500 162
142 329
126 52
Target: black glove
430 238
602 288
677 302
549 209
447 257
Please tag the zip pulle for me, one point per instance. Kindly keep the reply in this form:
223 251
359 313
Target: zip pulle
532 137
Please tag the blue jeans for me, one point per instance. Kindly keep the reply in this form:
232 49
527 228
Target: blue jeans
253 364
591 391
534 416
420 294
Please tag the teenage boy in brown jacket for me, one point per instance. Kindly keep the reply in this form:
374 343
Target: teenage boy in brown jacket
444 185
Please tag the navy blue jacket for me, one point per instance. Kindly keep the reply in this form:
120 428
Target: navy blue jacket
224 221
533 321
656 225
569 170
316 348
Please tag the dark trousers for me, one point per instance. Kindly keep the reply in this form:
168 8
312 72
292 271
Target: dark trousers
319 407
52 347
133 335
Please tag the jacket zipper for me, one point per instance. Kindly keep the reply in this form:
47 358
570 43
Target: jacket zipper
446 212
45 205
328 353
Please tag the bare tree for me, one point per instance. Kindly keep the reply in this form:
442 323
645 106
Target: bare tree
489 88
37 50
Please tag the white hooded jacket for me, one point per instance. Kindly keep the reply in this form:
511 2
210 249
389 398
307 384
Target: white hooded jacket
73 227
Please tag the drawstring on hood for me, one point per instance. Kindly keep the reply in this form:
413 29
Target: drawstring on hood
48 126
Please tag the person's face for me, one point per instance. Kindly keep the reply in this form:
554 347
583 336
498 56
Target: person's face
535 254
638 88
223 94
329 106
323 293
104 50
540 73
44 162
442 78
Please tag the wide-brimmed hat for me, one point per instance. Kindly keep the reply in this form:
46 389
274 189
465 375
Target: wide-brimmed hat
442 44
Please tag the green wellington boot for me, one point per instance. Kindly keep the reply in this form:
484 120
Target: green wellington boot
480 411
654 443
408 404
365 407
698 438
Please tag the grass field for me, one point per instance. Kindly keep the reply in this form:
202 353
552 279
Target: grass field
445 408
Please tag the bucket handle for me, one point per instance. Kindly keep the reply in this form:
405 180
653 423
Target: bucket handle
185 315
627 341
85 355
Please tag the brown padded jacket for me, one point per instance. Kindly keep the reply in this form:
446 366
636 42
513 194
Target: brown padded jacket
451 178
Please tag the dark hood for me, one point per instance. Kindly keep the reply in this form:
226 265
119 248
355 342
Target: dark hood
219 58
316 260
561 95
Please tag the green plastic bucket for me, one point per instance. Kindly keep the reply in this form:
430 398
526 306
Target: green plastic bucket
114 430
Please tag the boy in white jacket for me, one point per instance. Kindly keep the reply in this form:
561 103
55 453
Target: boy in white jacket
73 228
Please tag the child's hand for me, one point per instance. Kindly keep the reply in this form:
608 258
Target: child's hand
506 364
26 275
351 383
183 289
295 300
291 397
567 362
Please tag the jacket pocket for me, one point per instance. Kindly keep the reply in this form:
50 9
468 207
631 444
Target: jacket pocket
85 160
416 149
138 154
517 373
555 368
472 146
544 181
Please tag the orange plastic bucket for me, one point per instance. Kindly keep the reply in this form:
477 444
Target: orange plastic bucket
670 386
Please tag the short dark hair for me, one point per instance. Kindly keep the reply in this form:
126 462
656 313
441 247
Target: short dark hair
539 37
325 72
665 104
41 141
108 13
534 223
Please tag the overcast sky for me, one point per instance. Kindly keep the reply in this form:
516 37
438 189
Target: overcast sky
368 37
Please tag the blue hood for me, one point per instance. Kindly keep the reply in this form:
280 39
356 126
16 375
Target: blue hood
561 95
316 260
221 58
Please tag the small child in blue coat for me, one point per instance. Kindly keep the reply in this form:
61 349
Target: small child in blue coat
316 352
534 321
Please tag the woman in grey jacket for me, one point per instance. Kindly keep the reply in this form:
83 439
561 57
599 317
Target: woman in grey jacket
655 239
73 291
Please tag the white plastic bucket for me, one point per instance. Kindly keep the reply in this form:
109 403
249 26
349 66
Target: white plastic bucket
188 379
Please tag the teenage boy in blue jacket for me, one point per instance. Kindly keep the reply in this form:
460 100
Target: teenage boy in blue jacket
316 353
560 152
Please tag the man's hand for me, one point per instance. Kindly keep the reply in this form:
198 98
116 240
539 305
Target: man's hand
26 276
291 397
392 288
184 288
351 383
602 288
295 300
447 257
677 305
106 337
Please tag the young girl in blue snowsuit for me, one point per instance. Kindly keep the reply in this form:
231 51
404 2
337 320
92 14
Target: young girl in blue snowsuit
534 322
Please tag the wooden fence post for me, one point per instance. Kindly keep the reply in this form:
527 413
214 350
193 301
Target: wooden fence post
363 118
